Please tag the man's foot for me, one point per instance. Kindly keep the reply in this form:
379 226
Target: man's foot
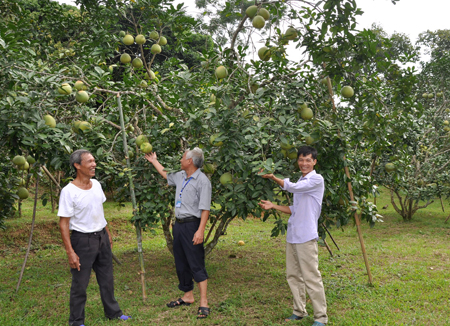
293 317
203 312
177 303
316 323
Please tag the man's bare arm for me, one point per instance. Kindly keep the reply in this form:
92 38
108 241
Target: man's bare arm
74 260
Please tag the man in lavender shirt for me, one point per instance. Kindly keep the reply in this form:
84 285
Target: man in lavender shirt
302 262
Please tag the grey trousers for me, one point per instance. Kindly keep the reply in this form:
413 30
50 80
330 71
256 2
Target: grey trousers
94 251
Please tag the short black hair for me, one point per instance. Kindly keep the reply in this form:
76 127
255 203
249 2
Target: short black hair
306 150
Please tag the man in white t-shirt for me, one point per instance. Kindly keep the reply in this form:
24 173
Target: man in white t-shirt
86 238
302 261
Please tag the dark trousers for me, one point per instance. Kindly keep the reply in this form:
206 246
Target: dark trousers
189 259
94 251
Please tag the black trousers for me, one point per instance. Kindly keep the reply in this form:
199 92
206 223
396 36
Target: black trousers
94 251
189 259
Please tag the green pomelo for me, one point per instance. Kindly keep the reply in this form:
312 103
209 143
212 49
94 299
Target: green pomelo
221 72
306 114
291 33
79 85
125 58
226 178
82 97
22 193
140 39
213 142
264 53
155 49
258 22
31 160
209 168
309 140
347 91
146 148
84 125
122 34
50 121
65 89
24 166
137 63
143 84
154 35
264 13
162 41
251 11
19 160
128 39
389 167
140 140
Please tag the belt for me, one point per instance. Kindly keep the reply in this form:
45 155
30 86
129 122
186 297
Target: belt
89 233
187 219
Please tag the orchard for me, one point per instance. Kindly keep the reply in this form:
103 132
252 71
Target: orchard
127 78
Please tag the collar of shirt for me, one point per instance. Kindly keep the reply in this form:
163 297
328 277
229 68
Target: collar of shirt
194 175
310 174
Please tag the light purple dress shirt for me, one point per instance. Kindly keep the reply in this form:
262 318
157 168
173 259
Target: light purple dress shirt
305 212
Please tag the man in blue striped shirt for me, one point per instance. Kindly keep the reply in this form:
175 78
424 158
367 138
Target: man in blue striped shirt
302 262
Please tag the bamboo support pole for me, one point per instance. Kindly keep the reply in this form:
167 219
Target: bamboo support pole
133 198
329 234
31 233
352 198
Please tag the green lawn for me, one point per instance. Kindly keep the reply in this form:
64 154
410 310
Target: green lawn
409 264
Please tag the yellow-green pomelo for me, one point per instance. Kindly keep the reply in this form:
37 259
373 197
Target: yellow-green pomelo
258 22
150 75
324 80
221 72
141 139
155 49
389 167
140 39
146 148
50 121
128 39
430 95
209 168
301 107
420 182
84 125
264 53
78 85
347 91
19 160
31 159
143 84
21 182
306 114
286 145
22 193
24 166
65 89
439 94
251 11
82 97
264 13
76 126
154 35
125 58
309 140
122 34
291 33
130 154
213 142
226 178
137 63
162 41
446 122
425 95
241 243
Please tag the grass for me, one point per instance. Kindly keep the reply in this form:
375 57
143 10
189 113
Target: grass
409 264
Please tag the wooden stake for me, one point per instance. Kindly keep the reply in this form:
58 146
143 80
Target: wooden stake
352 198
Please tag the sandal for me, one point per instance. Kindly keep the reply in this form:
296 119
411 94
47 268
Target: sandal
203 312
293 317
177 303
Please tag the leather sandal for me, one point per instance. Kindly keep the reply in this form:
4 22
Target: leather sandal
203 312
177 303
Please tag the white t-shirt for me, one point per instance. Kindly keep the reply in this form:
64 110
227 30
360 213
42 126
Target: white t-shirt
83 207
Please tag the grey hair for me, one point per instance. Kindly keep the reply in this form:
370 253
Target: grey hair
76 157
197 156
